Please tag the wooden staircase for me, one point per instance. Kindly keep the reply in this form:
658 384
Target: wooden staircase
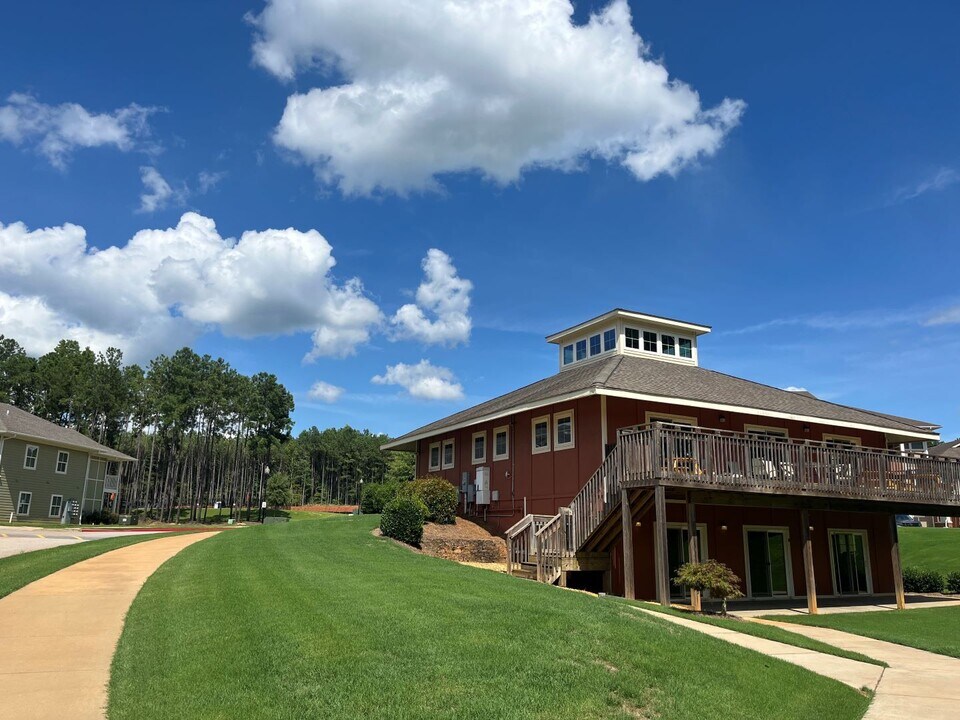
544 547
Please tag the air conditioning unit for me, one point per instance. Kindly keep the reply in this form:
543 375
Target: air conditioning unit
483 485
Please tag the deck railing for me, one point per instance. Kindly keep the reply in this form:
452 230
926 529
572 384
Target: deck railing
705 458
725 460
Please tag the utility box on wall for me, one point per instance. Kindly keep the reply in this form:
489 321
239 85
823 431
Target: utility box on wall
483 486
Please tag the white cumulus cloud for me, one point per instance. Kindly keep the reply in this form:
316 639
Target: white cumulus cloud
164 287
423 380
55 131
427 87
325 392
441 312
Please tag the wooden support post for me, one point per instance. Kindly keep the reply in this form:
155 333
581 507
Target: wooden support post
693 549
626 517
895 557
660 546
811 580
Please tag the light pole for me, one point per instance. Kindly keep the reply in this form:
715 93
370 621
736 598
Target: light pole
360 497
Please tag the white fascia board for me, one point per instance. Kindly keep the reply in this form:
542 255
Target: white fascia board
516 410
768 413
614 315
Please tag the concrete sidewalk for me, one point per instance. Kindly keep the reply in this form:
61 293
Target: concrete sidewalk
917 683
854 673
59 633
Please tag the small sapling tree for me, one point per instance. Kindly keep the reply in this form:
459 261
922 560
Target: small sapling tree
712 576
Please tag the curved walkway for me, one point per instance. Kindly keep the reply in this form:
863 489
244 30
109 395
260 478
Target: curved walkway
58 634
917 683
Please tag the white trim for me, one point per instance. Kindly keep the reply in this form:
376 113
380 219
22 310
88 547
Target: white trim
545 419
496 431
786 550
66 463
50 512
557 417
29 494
26 456
763 413
633 316
452 442
667 400
474 460
430 466
866 560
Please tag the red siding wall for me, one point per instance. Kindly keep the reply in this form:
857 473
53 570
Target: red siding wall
547 480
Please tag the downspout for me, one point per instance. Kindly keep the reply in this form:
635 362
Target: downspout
83 497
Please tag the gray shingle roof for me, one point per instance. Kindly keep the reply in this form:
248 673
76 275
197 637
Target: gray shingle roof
672 382
14 421
947 449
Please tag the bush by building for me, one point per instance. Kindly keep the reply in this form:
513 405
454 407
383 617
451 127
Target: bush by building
402 520
438 495
919 580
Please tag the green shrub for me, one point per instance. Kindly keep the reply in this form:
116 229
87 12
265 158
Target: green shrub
439 496
375 496
953 582
919 580
712 576
402 520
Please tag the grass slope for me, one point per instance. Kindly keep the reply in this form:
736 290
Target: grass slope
19 570
767 632
931 548
319 619
933 629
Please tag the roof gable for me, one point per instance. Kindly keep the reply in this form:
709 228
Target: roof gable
20 423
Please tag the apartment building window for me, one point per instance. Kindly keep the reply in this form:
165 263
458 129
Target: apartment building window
581 349
609 340
63 458
30 458
595 345
668 344
649 341
23 502
632 338
56 505
435 456
686 347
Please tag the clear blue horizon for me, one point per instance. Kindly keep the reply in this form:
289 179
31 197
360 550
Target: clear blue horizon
790 177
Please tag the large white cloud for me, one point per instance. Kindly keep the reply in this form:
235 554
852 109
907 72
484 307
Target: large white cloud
55 131
428 87
444 296
164 287
423 380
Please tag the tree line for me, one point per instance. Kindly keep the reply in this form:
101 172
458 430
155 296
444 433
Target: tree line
201 431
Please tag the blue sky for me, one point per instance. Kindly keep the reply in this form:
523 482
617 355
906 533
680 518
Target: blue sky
803 199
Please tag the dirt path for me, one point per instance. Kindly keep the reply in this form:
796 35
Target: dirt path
58 634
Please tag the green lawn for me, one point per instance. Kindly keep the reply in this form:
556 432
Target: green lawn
764 631
319 619
19 570
931 548
933 629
